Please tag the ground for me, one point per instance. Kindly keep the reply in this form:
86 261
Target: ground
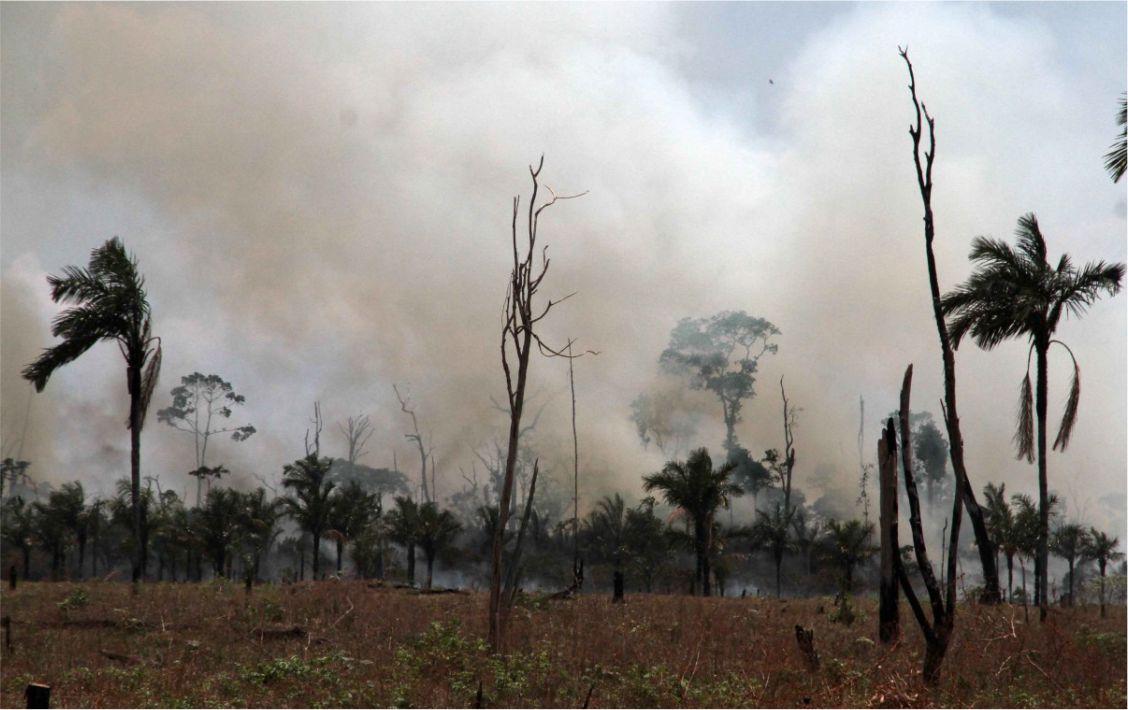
351 644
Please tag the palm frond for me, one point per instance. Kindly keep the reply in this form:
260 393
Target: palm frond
55 357
1116 159
149 381
1081 288
75 285
1031 243
1024 435
1069 417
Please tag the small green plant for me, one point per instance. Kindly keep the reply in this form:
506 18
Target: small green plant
77 599
290 667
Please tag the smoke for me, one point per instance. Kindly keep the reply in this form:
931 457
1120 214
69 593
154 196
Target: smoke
319 197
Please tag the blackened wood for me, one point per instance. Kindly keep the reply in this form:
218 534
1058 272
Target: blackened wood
889 624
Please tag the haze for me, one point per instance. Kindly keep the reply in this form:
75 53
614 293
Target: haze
319 198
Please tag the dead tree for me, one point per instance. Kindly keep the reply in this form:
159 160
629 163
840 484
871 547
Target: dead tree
864 468
788 467
889 623
991 594
938 632
357 431
577 564
517 341
418 439
514 573
314 448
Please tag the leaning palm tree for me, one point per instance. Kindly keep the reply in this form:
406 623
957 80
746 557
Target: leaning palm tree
1116 159
1069 543
698 489
108 303
1102 549
1017 292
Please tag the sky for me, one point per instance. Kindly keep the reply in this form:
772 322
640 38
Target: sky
319 198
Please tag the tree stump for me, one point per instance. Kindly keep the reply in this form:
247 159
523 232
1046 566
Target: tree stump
12 578
38 695
806 640
618 584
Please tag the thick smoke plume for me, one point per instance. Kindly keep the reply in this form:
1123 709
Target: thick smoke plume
319 198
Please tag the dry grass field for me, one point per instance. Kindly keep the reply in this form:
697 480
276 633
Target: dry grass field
345 644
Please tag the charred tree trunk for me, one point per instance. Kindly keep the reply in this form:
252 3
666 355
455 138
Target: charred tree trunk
411 564
938 632
991 593
889 624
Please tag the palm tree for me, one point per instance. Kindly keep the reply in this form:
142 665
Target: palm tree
436 531
807 529
218 526
17 528
51 530
403 529
606 526
69 505
646 541
1117 157
122 514
698 489
258 520
1017 292
1102 549
352 509
847 545
309 504
1026 532
1068 543
1002 528
109 303
771 532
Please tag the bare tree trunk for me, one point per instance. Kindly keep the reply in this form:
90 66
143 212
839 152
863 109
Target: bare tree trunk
134 375
418 439
937 633
517 334
515 561
576 578
1041 564
889 624
788 449
1103 614
951 418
